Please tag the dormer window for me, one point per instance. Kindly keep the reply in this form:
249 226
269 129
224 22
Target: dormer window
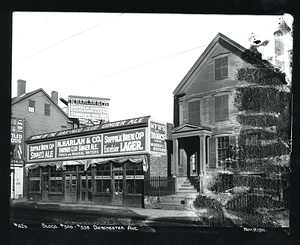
31 107
221 68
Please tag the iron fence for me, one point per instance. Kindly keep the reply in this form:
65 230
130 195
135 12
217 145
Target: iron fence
159 186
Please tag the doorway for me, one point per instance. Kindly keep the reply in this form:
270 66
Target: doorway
86 188
45 186
70 187
118 193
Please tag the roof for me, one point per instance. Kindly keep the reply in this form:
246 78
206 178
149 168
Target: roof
233 47
16 100
189 127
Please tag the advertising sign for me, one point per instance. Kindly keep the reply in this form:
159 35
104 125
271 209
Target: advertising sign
80 146
88 108
16 140
42 151
157 137
126 141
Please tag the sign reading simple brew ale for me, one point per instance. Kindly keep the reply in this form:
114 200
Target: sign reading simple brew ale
126 141
80 146
42 151
157 137
88 108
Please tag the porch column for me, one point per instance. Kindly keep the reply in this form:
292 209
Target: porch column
202 163
175 155
202 156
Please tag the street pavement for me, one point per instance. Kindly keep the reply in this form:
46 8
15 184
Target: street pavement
122 211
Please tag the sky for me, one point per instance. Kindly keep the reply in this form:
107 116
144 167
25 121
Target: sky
135 60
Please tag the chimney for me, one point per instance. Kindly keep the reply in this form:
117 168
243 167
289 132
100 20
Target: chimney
21 87
54 97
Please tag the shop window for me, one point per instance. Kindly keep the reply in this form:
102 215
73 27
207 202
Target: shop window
31 107
221 108
102 179
35 181
194 112
55 180
223 149
221 68
134 178
47 109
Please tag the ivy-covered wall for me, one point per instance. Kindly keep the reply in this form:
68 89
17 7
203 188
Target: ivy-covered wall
264 112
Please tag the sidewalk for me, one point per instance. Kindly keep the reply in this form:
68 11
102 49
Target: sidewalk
123 211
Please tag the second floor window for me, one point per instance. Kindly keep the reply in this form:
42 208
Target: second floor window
221 108
221 68
194 112
47 109
31 107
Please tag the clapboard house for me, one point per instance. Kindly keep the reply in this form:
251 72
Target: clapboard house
207 124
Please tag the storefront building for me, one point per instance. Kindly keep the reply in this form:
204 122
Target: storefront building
102 164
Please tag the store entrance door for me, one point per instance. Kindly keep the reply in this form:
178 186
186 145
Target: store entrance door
86 188
45 186
118 188
70 188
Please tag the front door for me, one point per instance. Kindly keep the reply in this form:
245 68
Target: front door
86 188
70 187
118 192
193 164
45 186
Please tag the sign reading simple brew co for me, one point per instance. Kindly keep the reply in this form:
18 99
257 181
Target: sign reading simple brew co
157 137
80 146
126 141
42 151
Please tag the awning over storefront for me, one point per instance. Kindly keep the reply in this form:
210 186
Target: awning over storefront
92 162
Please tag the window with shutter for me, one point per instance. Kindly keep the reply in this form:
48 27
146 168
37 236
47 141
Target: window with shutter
194 112
221 108
221 68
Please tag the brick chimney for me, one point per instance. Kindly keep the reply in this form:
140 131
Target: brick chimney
21 87
54 97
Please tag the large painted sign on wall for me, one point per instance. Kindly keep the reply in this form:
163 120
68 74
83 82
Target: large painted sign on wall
42 151
16 140
157 137
126 141
80 146
88 108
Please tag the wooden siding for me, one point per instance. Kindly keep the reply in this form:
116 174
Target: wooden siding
38 122
204 80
